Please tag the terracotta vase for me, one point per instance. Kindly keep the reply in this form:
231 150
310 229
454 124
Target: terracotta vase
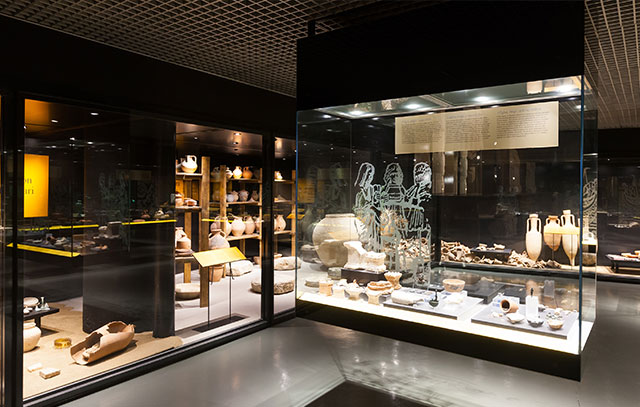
247 173
229 173
552 235
570 233
217 240
254 196
237 227
533 237
280 224
278 176
243 195
190 165
184 243
330 234
249 225
237 173
258 223
30 336
218 272
179 234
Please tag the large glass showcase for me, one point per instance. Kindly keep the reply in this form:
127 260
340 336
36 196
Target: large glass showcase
471 211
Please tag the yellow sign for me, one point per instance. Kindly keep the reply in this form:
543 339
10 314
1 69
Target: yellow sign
218 256
36 185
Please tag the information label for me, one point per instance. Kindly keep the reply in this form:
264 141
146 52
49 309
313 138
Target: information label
36 185
499 128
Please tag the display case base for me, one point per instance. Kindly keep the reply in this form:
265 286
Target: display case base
363 277
218 322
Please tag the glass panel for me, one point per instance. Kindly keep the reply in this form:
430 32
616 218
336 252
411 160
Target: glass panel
110 225
460 210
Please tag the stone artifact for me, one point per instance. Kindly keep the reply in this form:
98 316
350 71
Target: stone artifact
375 262
325 287
247 173
49 372
280 224
249 225
239 268
313 282
286 263
30 336
237 173
237 227
335 273
533 237
570 232
455 251
355 254
394 278
190 165
104 341
354 290
453 285
384 287
338 291
281 285
330 234
405 298
34 367
515 317
187 291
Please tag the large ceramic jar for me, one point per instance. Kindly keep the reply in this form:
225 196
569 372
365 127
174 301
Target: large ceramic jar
330 234
552 233
247 173
237 227
190 165
533 238
217 240
237 173
570 232
249 225
30 336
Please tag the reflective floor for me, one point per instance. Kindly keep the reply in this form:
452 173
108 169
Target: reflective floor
295 363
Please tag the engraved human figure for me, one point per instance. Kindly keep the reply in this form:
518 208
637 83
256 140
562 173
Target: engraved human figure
393 203
418 194
365 207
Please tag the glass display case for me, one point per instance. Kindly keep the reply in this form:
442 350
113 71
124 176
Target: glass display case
472 211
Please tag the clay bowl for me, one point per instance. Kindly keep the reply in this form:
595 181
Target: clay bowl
453 285
187 291
30 302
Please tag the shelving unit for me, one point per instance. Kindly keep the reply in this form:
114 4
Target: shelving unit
287 208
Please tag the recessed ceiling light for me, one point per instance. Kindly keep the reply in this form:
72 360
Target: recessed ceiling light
578 107
72 138
565 88
376 118
195 138
89 142
94 113
236 134
326 116
235 142
482 99
356 112
413 106
494 106
431 113
54 121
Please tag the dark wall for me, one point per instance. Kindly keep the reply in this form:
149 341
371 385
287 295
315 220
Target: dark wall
48 62
450 46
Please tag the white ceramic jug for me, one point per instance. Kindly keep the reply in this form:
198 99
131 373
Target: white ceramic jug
570 235
190 165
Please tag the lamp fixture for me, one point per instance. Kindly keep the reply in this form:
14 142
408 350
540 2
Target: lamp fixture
94 113
54 121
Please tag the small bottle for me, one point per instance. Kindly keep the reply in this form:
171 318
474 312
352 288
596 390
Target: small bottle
532 306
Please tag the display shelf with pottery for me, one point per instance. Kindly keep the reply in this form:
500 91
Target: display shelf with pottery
489 316
285 209
331 233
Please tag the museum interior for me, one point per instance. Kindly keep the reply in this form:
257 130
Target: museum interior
174 197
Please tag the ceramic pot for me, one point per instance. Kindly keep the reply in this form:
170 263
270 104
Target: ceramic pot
533 237
247 173
215 174
394 278
237 173
570 233
215 225
237 227
258 223
552 233
183 243
254 196
330 234
232 196
179 234
229 173
453 285
30 336
249 225
218 271
508 306
280 224
243 195
278 176
190 165
217 240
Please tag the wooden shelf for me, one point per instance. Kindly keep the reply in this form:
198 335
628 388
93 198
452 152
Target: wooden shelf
284 232
189 174
287 201
284 181
188 208
251 236
244 203
248 180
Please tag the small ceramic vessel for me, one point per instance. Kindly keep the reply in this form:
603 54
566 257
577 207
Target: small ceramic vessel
280 224
453 285
250 225
515 317
217 240
509 306
247 173
237 227
394 278
30 336
190 165
237 173
243 195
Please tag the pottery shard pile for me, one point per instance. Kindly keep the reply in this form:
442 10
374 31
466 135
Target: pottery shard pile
456 251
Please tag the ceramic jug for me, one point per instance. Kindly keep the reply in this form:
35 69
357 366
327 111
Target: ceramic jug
217 240
254 196
258 223
249 225
570 233
243 195
280 224
552 232
215 174
237 227
179 234
278 176
247 173
533 237
190 165
30 336
232 196
237 173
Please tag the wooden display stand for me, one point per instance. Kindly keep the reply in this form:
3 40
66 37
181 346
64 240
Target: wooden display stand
288 209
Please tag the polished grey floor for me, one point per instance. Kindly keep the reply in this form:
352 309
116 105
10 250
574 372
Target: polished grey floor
295 362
